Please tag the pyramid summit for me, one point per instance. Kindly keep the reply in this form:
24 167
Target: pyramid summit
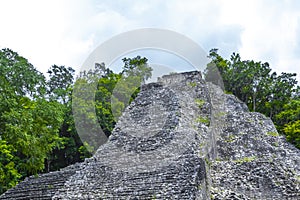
181 138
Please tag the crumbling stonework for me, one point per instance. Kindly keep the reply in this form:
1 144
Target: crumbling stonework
181 138
253 161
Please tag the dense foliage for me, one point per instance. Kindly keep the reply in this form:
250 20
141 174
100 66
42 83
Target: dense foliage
37 130
101 95
29 121
276 96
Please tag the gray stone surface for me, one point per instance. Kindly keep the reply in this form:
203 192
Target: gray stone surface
181 138
253 161
43 186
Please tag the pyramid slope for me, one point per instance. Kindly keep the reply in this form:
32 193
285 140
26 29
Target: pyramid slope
181 138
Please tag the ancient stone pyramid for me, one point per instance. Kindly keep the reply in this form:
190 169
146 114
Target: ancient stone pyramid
182 138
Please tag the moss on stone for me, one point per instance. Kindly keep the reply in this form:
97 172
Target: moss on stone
272 133
192 84
203 120
230 138
245 159
199 102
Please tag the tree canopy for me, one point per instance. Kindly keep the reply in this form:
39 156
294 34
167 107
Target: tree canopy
29 122
37 129
276 96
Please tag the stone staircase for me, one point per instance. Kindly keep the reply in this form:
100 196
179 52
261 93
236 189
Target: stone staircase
43 186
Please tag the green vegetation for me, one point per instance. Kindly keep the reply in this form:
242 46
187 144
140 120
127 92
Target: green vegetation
37 130
29 119
199 102
276 96
274 134
193 84
292 132
230 138
288 121
245 159
275 144
208 162
203 120
220 114
297 178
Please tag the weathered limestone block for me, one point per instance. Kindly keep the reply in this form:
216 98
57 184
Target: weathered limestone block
253 161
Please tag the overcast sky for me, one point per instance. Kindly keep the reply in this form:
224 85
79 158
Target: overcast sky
66 32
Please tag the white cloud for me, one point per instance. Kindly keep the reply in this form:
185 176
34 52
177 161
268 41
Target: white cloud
65 32
32 28
269 31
